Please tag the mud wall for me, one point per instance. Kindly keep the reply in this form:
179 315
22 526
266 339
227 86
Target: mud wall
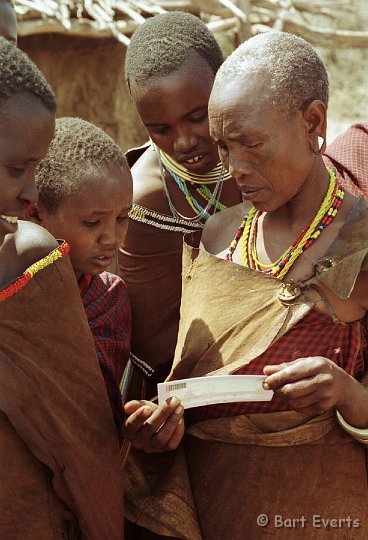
87 77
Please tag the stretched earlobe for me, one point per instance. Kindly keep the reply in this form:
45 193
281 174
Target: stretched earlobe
321 144
318 146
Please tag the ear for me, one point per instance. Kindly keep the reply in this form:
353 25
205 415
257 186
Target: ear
315 116
33 213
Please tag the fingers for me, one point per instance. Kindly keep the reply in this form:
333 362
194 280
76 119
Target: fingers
177 436
305 393
308 385
154 428
136 419
162 413
170 434
289 372
131 406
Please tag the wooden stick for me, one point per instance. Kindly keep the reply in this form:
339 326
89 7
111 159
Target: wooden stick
323 37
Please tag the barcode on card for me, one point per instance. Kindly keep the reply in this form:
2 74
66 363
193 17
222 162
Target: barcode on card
178 386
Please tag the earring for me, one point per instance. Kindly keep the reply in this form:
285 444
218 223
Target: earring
321 145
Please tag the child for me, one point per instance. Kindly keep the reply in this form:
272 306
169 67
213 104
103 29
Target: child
59 457
85 194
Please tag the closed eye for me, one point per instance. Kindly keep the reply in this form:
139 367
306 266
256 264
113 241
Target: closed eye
91 223
199 118
158 130
17 171
251 145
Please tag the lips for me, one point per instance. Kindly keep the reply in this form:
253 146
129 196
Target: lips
105 256
197 163
195 159
249 193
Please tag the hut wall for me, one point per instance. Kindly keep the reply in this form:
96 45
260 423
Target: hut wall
87 77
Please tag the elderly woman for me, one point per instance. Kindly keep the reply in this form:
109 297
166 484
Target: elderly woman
278 287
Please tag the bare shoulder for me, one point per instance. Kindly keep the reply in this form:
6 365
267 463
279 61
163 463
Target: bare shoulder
220 229
147 185
22 249
33 242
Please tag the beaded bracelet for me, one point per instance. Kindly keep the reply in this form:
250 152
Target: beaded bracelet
360 434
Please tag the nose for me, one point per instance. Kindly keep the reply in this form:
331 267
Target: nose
109 236
185 141
238 167
29 193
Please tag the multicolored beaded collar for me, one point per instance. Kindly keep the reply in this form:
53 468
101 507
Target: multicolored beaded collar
210 177
22 281
201 213
248 232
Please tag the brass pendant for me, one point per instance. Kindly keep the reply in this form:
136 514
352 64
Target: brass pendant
324 265
288 292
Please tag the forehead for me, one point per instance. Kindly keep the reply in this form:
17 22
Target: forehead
26 127
8 21
175 94
102 188
243 101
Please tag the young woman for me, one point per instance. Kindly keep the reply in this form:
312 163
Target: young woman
178 181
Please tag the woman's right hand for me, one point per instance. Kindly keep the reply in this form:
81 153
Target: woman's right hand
154 428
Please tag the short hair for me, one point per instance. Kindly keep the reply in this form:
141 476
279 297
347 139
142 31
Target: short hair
162 43
77 149
19 74
297 74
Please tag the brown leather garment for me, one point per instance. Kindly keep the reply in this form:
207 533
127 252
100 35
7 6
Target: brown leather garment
59 454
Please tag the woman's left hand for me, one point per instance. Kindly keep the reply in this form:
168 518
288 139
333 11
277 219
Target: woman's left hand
309 385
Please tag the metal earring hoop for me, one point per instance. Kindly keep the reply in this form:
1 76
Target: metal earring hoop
321 144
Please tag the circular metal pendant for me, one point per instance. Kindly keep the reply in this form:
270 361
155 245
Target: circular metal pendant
288 292
324 265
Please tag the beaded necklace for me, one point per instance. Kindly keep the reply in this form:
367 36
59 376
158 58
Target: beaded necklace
210 177
248 232
212 198
22 281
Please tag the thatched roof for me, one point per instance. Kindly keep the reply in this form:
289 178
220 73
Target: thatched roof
119 18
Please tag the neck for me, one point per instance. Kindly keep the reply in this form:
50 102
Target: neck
302 208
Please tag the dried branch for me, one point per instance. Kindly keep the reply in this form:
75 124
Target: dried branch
118 18
322 37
